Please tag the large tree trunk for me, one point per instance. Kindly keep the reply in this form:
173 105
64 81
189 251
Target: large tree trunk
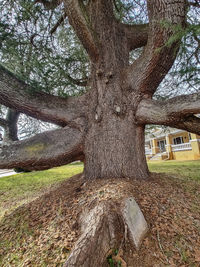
115 149
114 144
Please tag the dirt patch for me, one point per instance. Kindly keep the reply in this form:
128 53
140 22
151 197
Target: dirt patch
43 232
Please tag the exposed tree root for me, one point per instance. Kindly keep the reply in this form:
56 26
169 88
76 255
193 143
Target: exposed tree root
108 224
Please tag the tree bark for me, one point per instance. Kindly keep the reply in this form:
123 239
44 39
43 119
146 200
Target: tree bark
10 130
114 148
178 112
43 151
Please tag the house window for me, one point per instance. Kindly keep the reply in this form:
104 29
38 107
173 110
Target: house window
178 140
190 137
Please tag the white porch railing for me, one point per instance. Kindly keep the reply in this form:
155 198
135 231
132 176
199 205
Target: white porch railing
148 151
180 147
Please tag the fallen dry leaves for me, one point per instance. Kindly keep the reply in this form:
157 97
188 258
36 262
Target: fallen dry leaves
43 232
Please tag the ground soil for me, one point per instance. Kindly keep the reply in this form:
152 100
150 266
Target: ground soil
44 232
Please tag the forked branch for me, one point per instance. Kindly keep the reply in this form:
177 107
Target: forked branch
44 150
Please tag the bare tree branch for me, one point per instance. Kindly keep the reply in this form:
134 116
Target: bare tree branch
190 124
137 35
148 71
15 94
44 150
58 23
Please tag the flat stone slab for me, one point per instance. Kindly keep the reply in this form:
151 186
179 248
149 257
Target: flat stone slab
135 221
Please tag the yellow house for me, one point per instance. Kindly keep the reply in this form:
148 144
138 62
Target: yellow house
168 144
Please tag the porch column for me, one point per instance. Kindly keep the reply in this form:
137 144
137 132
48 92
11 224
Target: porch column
195 145
169 146
155 148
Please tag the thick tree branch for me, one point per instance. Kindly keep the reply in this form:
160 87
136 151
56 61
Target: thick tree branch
190 124
78 18
15 94
44 150
137 35
177 112
165 20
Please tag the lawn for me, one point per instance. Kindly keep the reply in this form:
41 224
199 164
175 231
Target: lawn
186 170
22 188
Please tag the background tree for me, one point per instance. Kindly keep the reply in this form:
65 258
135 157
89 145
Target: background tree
106 124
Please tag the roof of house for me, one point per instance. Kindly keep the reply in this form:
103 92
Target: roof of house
161 132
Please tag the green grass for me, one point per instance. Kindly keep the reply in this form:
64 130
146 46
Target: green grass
21 188
189 170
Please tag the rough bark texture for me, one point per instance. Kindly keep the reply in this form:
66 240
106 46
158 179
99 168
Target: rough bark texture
98 236
176 112
137 35
10 128
44 150
15 94
110 118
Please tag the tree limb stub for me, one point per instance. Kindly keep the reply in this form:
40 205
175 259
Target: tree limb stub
16 94
43 151
137 35
177 112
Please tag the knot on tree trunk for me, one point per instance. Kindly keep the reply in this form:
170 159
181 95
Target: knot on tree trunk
110 222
